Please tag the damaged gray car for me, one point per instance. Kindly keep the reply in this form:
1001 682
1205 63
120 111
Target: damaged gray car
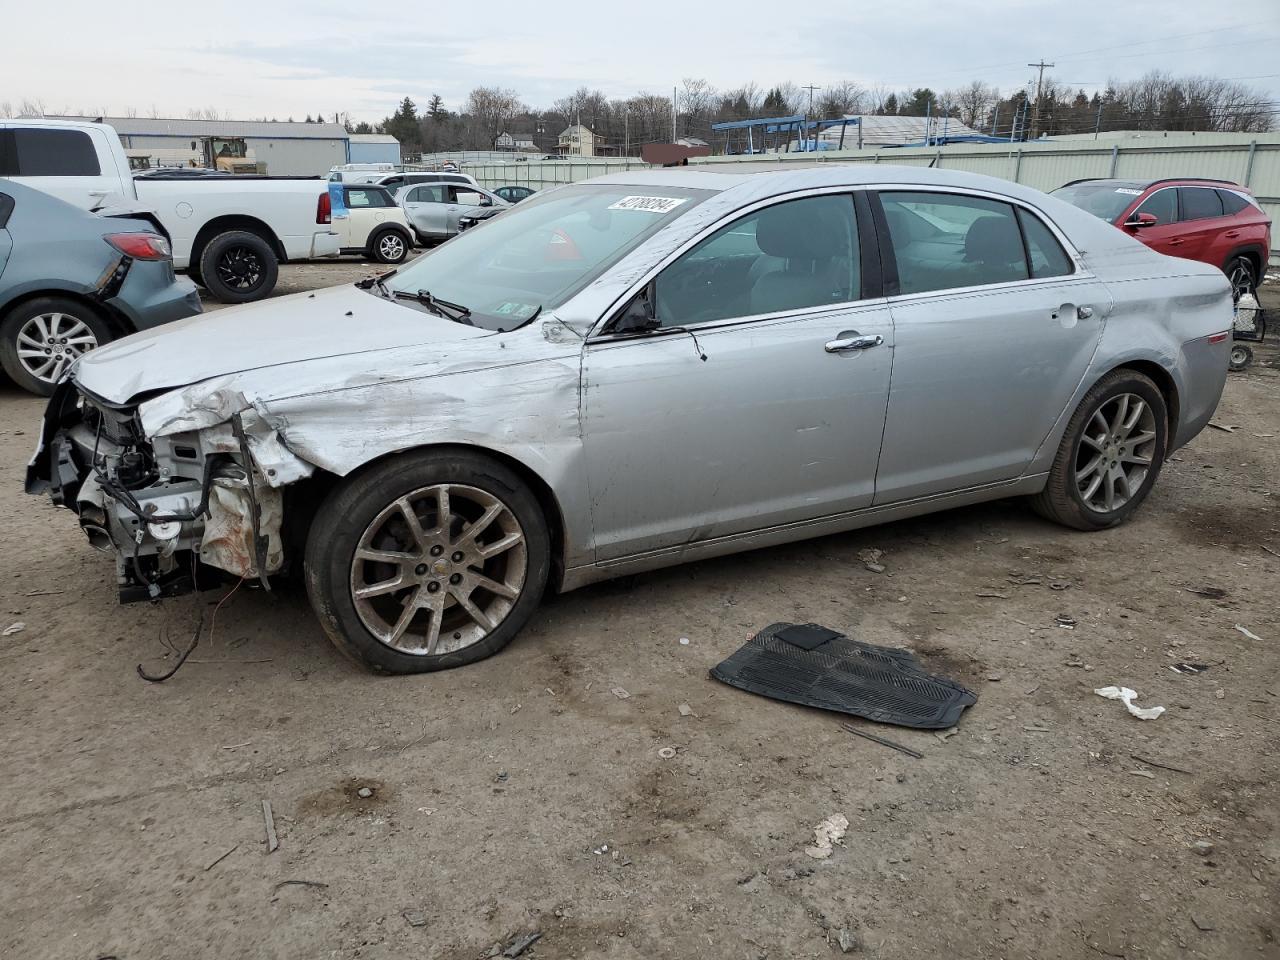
632 372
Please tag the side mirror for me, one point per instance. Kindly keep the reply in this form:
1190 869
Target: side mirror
1140 220
638 317
486 202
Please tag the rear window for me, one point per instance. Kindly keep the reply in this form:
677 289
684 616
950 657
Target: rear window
1200 203
1106 199
52 153
366 197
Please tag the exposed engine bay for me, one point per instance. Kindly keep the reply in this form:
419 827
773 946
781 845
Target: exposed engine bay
167 505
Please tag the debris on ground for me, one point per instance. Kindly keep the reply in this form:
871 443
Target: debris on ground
1213 593
214 863
1155 763
870 558
684 641
13 628
1059 584
1127 696
364 793
182 654
1065 621
414 918
301 883
1224 427
1250 634
847 940
620 693
519 945
272 843
1202 847
685 710
1220 693
993 595
1201 924
1192 668
945 735
667 753
817 667
883 741
827 833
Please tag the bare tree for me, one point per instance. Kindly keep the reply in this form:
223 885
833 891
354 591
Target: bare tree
490 110
839 99
972 103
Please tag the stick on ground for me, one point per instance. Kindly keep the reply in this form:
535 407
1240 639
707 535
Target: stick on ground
882 741
272 843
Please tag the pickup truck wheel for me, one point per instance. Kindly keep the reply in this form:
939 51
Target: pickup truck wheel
238 267
427 561
389 246
40 339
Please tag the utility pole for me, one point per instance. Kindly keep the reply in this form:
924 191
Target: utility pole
626 130
1035 122
673 114
811 88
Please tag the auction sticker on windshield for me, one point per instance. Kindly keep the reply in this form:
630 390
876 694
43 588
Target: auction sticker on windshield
648 204
1132 193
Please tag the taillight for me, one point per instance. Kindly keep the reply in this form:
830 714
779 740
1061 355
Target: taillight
324 209
1219 337
140 246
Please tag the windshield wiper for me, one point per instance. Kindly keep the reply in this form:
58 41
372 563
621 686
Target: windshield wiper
379 282
443 308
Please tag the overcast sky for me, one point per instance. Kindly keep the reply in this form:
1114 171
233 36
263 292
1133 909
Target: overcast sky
284 58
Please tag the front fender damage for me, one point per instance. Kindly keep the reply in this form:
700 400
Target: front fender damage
242 531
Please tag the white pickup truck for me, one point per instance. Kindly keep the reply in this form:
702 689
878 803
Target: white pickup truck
230 233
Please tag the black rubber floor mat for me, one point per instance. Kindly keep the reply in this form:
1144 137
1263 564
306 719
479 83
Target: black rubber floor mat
884 684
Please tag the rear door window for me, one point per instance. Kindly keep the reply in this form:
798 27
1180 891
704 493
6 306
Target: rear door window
943 241
1044 252
1200 203
1232 202
53 153
1163 205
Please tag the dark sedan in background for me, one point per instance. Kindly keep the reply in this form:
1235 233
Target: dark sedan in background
72 280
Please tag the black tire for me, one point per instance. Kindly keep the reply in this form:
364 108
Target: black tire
384 249
26 316
1241 357
1062 500
356 506
1243 276
238 267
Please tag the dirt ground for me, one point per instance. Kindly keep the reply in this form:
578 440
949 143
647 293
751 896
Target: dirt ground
437 816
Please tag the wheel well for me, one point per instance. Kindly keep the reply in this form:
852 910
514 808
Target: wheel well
1160 376
120 326
234 222
303 500
392 228
1255 257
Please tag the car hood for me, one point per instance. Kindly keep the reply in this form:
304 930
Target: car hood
338 322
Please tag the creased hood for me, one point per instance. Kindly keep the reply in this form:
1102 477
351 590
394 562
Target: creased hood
340 321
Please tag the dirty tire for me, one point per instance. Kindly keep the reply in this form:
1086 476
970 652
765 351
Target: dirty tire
351 508
389 246
1241 357
1243 277
238 267
1062 500
20 319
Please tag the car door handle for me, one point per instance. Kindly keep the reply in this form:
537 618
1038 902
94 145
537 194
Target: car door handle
855 342
1176 242
1232 233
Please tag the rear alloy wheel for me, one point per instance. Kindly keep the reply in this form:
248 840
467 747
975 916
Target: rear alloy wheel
1110 455
1239 272
389 246
238 267
427 562
41 338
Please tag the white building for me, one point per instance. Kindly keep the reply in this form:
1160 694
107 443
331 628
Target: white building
576 141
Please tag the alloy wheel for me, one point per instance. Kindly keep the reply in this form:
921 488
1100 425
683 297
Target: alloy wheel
1115 452
391 247
240 268
438 569
47 343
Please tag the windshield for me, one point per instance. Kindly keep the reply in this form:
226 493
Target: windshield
539 254
1105 199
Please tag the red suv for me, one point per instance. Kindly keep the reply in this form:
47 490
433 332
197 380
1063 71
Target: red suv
1215 221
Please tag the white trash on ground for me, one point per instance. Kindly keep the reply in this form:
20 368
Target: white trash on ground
829 831
1127 696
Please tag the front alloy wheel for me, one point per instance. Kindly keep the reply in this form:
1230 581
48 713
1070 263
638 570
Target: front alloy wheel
439 569
48 342
428 560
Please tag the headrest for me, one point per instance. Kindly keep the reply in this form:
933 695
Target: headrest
803 230
993 240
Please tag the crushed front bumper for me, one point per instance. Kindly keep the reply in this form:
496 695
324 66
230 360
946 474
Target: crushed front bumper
167 507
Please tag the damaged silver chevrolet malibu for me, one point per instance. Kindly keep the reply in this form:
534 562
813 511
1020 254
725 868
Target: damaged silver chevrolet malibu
632 372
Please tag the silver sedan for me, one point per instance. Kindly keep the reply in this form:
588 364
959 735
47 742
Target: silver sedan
633 372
